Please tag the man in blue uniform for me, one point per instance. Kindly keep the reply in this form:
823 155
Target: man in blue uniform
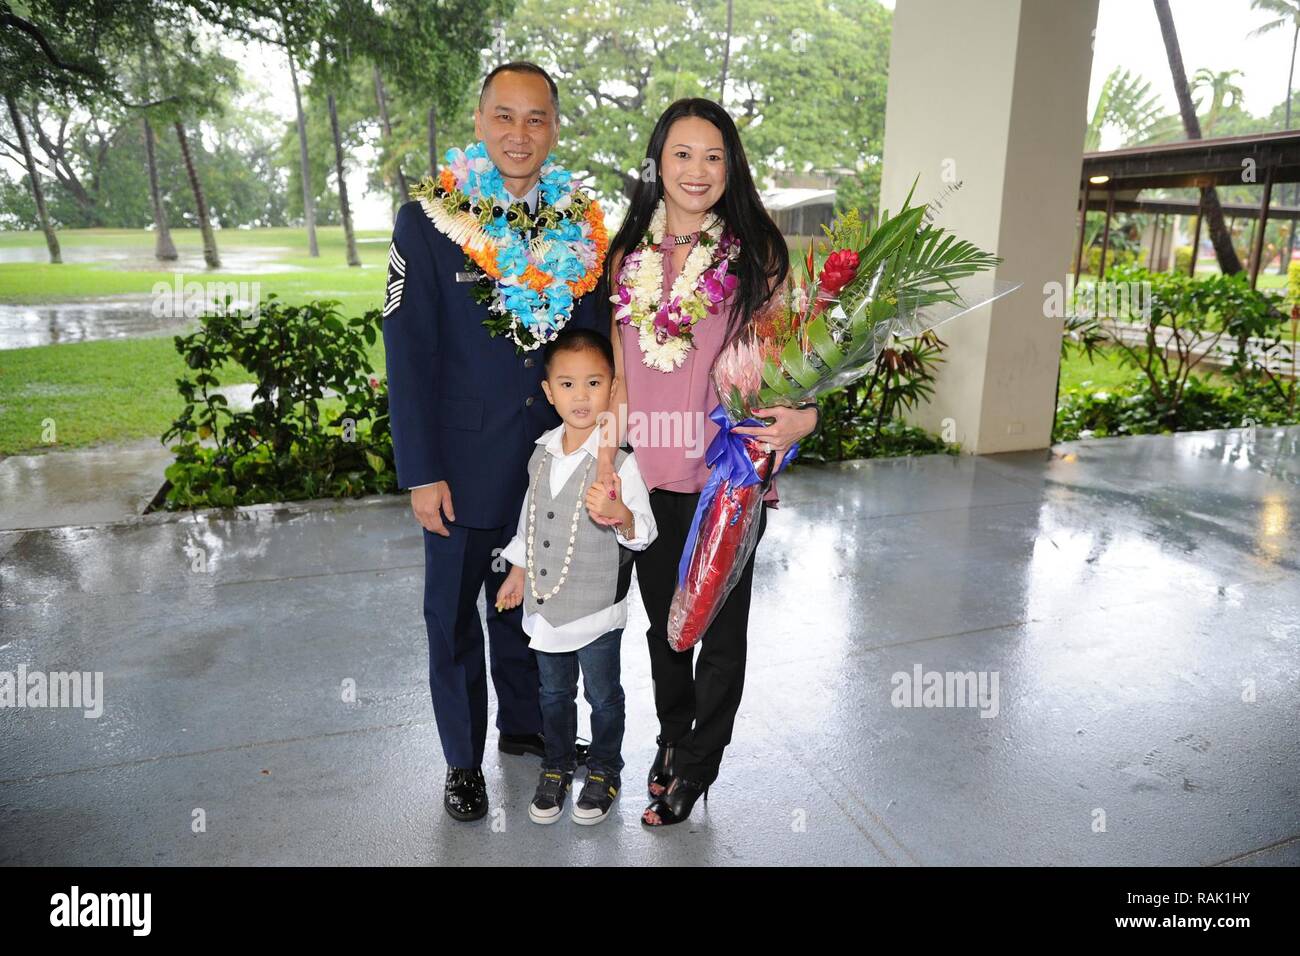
466 408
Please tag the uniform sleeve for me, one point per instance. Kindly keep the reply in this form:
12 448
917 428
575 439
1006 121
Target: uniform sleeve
410 326
637 498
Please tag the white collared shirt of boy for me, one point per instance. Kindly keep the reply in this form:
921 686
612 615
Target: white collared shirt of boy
580 633
531 201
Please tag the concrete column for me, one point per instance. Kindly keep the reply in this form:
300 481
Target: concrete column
993 93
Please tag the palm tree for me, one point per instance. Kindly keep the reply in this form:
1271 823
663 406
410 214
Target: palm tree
308 201
1229 264
726 57
1127 104
210 255
51 240
1287 13
1221 90
349 234
386 125
293 31
163 247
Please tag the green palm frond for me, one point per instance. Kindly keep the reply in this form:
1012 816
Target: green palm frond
903 267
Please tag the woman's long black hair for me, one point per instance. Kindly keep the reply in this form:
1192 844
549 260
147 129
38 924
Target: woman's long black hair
764 260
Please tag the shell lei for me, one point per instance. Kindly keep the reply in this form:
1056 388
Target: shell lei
529 286
698 291
532 530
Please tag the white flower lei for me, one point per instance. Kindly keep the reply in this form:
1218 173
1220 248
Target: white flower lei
642 277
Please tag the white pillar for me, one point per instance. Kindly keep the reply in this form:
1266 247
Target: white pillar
993 93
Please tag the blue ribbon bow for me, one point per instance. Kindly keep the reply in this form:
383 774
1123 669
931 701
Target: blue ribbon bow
727 461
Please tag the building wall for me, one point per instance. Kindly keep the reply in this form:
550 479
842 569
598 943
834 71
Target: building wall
993 93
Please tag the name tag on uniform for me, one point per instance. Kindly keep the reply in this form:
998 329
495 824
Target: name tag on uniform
466 277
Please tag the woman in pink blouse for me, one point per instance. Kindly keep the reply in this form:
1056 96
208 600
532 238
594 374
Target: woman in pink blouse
695 258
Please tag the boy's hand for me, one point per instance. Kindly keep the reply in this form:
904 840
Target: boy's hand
511 593
605 502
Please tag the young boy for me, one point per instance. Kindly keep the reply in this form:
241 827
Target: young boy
572 578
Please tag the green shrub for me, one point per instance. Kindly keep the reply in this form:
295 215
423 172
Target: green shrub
1182 259
281 449
1114 257
1195 313
1293 283
864 419
1132 409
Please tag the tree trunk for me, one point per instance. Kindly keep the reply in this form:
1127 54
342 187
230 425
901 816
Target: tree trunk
42 214
402 194
163 247
205 225
308 202
1223 251
433 141
726 58
349 237
1290 227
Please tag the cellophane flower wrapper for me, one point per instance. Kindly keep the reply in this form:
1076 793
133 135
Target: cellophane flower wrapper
723 531
807 342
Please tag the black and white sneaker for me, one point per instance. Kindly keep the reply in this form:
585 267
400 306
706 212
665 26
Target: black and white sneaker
548 801
597 797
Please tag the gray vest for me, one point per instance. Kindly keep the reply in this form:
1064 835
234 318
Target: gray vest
600 570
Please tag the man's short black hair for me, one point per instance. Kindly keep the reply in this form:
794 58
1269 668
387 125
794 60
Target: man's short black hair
572 339
522 66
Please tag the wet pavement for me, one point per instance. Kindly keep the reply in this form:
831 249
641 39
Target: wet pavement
81 486
1131 606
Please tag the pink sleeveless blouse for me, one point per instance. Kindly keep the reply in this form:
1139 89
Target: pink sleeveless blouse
668 412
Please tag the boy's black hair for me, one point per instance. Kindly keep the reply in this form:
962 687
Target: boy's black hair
572 339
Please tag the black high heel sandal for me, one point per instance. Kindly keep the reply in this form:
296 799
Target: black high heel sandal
661 771
676 803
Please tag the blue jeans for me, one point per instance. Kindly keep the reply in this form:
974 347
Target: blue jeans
559 695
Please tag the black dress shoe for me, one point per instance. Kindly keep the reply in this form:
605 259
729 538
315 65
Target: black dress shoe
465 793
535 744
520 744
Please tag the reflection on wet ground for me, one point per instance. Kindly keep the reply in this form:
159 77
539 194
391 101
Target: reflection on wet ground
119 317
250 260
1136 600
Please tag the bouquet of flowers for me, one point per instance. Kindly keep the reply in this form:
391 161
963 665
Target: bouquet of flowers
867 287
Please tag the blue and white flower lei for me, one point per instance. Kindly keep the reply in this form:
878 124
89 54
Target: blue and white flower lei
470 205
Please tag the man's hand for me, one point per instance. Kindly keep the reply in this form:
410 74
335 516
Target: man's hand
605 502
430 504
511 592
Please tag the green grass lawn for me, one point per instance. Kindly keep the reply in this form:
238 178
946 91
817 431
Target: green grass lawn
1102 374
325 277
117 390
1105 372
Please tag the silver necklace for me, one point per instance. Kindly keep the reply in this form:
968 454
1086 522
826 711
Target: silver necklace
532 526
